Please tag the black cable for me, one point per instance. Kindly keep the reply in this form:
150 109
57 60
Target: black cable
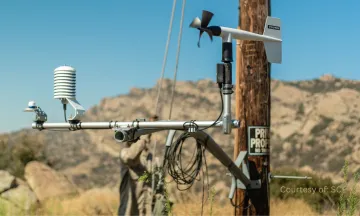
203 193
242 204
267 182
222 110
173 158
71 126
64 108
192 124
184 175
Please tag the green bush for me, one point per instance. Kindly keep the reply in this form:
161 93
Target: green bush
349 200
311 142
324 198
324 123
301 109
15 154
327 196
350 137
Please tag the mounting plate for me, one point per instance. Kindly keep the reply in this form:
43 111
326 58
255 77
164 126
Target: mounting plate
79 110
255 184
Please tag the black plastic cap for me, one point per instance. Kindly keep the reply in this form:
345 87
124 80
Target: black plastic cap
227 52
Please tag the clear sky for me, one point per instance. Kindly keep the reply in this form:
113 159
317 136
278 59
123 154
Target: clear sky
116 45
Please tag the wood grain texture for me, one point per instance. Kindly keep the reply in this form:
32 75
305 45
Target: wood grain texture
252 94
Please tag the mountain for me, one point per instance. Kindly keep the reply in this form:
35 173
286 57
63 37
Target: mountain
314 126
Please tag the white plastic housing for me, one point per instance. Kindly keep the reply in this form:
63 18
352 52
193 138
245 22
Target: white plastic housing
65 82
31 107
31 104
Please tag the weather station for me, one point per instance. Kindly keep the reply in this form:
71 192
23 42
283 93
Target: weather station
130 131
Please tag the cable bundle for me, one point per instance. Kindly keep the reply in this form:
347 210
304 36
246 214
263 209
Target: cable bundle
173 163
184 175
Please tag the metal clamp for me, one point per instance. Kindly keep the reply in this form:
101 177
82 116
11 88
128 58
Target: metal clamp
255 184
40 115
192 127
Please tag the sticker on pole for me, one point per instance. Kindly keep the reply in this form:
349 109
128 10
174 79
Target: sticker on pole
258 140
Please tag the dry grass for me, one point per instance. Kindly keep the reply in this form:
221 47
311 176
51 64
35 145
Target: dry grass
92 202
8 209
105 202
278 207
195 209
290 207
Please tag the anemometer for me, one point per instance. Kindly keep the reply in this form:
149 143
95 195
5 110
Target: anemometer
130 131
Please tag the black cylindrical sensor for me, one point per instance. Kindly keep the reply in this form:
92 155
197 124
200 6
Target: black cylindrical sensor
227 73
227 52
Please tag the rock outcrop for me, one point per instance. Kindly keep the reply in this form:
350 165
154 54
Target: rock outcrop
21 196
15 194
7 181
47 183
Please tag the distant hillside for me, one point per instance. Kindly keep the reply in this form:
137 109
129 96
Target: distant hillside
314 127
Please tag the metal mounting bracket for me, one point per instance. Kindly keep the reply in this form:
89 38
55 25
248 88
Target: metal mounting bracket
241 160
79 110
40 115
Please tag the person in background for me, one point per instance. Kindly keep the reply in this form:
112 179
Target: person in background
135 161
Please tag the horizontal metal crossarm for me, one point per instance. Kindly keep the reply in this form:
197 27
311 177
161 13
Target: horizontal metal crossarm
166 125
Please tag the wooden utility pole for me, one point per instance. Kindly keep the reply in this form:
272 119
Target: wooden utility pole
252 103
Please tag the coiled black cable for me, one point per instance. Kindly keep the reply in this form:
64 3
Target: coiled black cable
184 174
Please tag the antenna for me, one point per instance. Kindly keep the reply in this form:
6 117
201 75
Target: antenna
65 90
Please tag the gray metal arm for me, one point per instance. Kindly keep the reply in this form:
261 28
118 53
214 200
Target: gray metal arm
128 131
165 125
217 152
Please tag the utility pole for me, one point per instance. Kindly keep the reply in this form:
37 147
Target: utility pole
252 104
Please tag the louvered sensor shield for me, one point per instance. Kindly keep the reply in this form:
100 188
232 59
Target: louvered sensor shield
65 89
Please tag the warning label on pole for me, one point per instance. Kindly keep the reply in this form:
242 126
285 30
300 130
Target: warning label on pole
258 140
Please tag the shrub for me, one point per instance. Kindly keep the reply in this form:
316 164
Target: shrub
324 123
319 201
15 154
349 200
301 109
340 196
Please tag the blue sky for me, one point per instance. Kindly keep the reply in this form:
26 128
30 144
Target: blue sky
116 45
